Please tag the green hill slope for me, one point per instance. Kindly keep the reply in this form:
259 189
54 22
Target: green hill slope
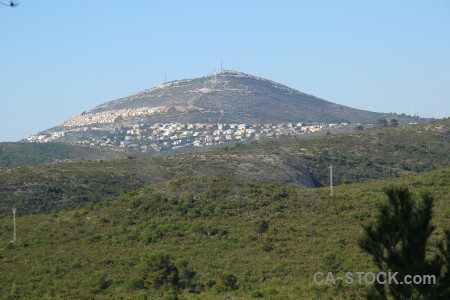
40 189
373 154
356 157
29 154
207 226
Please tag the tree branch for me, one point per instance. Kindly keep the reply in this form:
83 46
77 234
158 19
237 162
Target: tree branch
11 3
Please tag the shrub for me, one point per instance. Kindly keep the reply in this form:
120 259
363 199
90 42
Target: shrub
257 294
134 283
228 281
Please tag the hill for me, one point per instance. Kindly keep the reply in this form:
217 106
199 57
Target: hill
224 107
298 163
363 156
242 98
207 226
29 154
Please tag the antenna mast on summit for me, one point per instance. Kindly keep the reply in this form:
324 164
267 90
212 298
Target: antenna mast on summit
221 67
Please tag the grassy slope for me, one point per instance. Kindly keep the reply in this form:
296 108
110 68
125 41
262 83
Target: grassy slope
356 157
43 188
29 154
98 249
372 154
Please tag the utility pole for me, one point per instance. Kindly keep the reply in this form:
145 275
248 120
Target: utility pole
331 180
14 221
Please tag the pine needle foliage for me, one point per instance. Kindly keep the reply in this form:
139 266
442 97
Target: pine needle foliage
398 241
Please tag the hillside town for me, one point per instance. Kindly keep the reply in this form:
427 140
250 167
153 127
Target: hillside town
172 136
113 116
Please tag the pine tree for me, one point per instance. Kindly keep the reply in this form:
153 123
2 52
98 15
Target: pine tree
382 122
261 226
159 273
398 241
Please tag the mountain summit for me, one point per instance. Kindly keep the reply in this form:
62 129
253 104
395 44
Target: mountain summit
237 97
224 107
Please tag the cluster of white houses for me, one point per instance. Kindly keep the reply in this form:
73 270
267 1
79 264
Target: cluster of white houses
112 116
166 136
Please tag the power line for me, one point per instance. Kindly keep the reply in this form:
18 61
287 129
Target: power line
14 221
331 180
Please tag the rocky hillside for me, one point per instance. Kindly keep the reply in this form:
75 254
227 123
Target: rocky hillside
299 163
225 107
234 97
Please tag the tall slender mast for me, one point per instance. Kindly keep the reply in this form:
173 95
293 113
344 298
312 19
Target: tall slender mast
331 180
14 221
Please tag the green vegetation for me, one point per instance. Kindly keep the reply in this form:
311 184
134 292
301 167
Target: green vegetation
194 238
357 157
394 122
363 156
261 226
398 243
29 154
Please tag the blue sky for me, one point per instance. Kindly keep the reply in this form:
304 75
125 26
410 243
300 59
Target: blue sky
59 58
